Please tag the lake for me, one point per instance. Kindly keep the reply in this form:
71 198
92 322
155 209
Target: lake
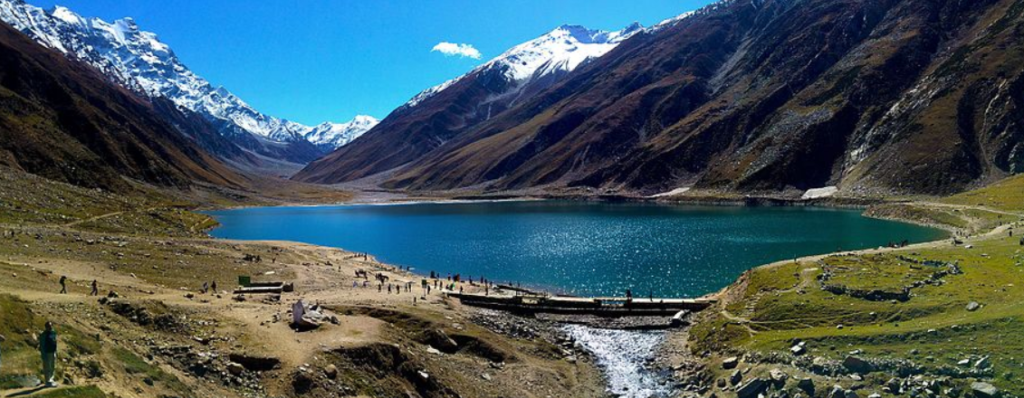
579 248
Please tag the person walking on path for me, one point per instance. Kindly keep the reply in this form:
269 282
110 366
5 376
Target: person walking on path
63 284
48 351
95 289
213 287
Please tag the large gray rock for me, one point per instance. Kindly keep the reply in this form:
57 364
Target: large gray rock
973 306
984 390
798 350
439 339
752 388
857 365
730 363
807 385
778 378
736 377
235 368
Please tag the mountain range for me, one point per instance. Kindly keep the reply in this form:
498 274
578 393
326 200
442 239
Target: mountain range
138 60
873 97
882 97
63 120
443 112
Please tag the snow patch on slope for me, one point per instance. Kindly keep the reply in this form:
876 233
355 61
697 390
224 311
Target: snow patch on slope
330 136
561 50
140 61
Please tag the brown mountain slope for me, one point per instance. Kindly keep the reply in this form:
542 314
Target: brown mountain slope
62 120
408 133
769 95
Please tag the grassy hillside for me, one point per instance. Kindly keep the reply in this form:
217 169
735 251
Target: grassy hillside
1006 195
906 312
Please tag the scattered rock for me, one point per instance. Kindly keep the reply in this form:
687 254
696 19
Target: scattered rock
235 368
857 365
973 306
798 350
302 382
778 377
439 339
807 385
331 372
752 389
736 377
730 363
984 390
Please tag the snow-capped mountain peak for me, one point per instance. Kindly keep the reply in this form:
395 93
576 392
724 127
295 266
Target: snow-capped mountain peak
335 135
138 60
561 50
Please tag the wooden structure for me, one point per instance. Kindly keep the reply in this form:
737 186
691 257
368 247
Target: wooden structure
601 306
265 288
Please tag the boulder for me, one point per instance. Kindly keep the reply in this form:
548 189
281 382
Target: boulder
983 363
984 390
331 372
302 382
857 365
730 363
973 306
778 378
752 389
437 338
235 368
736 377
807 385
798 350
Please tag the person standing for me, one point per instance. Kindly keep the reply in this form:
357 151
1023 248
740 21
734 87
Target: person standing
48 351
213 287
63 284
95 288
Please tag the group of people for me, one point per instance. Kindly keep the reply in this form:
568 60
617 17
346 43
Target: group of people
209 287
897 245
64 286
47 350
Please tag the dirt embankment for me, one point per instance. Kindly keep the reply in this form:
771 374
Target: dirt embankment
152 332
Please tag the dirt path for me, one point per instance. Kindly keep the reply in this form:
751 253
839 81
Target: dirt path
91 219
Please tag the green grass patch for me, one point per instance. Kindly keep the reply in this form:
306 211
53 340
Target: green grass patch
1007 195
934 320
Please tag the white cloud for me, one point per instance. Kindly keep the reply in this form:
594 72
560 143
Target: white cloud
457 50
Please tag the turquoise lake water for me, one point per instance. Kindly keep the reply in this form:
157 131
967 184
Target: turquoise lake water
576 247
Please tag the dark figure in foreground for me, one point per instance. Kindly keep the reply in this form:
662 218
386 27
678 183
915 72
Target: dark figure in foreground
63 284
48 351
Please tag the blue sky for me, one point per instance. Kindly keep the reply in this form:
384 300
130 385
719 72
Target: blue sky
316 60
